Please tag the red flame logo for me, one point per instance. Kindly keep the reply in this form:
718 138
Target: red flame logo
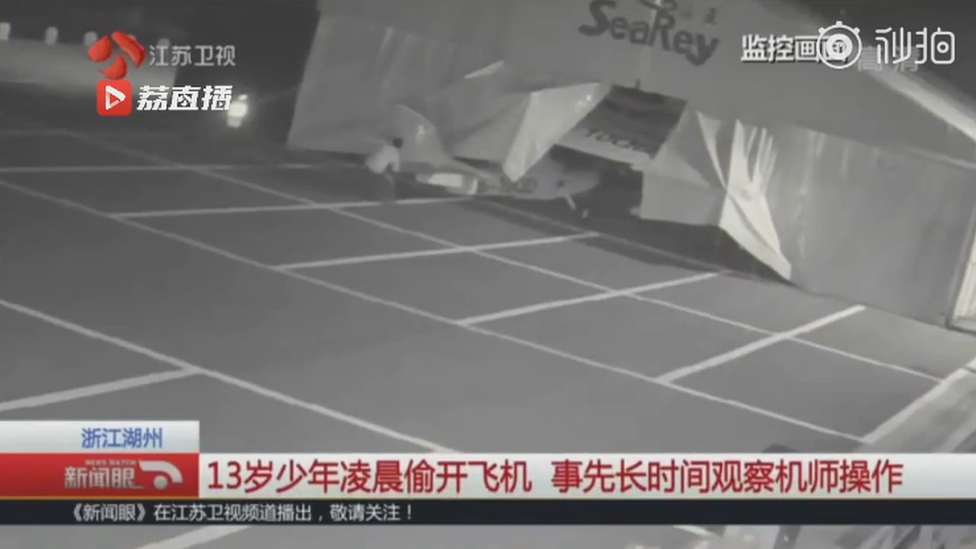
101 50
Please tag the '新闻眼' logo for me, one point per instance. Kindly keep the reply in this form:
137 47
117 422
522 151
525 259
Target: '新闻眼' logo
661 32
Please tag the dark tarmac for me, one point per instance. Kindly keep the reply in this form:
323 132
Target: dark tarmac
149 275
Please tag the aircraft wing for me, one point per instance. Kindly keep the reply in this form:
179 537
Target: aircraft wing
627 127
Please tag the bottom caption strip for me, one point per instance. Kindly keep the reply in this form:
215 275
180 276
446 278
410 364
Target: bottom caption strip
485 512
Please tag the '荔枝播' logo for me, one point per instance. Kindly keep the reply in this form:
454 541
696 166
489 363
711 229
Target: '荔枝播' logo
661 32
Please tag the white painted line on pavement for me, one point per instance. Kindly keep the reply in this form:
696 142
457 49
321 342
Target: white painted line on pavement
195 538
635 295
425 314
361 259
231 179
739 352
356 260
92 334
696 530
422 201
221 211
517 211
136 134
629 243
15 132
340 211
703 314
93 390
789 335
305 205
861 358
225 378
534 242
935 393
798 340
654 381
143 168
281 397
486 254
430 238
550 305
189 167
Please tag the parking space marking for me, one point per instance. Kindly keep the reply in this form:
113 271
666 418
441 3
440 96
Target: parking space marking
676 256
486 254
867 360
302 200
603 296
160 160
93 390
629 243
419 201
211 533
703 314
194 369
381 224
391 227
901 418
196 537
720 359
528 215
281 208
795 339
138 134
426 314
219 211
13 132
146 168
678 388
356 260
555 274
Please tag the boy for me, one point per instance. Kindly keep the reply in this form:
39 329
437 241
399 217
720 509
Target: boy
385 162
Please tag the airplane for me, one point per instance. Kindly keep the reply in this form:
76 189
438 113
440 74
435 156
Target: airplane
495 132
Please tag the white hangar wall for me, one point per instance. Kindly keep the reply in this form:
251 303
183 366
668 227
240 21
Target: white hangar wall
859 185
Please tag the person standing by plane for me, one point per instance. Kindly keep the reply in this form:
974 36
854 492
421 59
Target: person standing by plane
385 162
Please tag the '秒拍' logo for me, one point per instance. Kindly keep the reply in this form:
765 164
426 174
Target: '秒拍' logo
101 50
660 32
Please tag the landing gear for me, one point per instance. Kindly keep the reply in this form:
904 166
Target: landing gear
582 211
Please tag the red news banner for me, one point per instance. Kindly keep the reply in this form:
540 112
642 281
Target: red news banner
592 476
79 476
153 473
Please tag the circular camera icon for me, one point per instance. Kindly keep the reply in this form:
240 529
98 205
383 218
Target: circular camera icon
839 46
